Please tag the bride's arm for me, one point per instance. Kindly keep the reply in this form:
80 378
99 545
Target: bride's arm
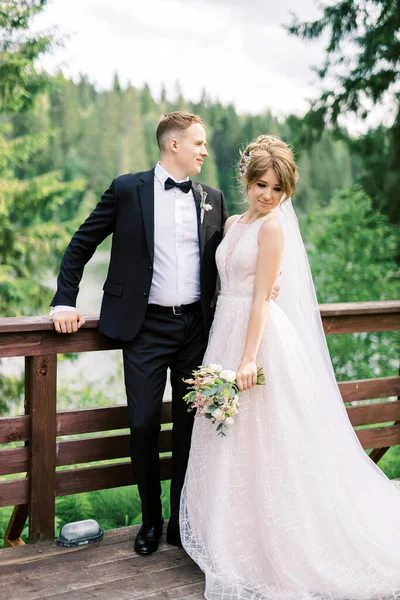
268 264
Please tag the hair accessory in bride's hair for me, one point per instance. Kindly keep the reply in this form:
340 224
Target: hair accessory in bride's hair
244 163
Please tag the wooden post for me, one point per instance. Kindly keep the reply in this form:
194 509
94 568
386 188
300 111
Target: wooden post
41 377
12 536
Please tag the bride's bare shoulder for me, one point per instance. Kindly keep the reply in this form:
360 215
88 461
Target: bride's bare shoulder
271 232
271 225
230 220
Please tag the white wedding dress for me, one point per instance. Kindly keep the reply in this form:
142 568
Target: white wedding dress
287 506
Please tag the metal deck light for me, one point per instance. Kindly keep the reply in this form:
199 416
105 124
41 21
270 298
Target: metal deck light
80 533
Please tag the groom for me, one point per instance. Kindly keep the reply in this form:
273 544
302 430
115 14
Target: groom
158 300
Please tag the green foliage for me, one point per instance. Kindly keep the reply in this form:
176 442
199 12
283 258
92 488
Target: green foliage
11 393
352 250
390 463
19 80
32 191
5 515
371 27
358 80
73 508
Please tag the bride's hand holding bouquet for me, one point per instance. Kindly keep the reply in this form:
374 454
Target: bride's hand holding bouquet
215 392
246 375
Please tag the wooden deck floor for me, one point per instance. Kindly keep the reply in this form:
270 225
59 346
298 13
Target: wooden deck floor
107 570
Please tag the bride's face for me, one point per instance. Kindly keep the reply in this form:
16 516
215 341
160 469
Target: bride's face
265 193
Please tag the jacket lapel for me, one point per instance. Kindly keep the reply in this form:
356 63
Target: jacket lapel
200 226
146 196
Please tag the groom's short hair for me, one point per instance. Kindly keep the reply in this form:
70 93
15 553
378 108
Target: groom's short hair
173 122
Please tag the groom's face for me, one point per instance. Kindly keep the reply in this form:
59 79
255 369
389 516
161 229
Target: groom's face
191 149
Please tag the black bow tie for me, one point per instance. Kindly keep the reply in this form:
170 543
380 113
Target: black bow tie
185 186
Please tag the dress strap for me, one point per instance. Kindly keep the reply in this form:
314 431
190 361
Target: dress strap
238 217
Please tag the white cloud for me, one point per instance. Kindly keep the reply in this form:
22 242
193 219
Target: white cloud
238 52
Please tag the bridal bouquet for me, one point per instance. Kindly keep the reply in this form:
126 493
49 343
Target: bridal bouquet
215 394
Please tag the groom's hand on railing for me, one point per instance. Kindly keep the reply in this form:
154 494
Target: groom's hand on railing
67 321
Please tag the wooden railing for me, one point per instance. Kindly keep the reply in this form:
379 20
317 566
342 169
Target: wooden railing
42 429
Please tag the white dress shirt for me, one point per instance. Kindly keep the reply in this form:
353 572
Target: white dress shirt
176 268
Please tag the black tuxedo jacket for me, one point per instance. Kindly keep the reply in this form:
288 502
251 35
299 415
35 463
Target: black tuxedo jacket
126 210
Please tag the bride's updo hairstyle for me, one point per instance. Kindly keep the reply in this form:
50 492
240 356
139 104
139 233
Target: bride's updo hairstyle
268 152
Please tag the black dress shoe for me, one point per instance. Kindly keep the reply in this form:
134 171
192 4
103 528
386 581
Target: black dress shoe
148 538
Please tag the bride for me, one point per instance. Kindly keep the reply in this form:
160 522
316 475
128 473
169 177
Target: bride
287 506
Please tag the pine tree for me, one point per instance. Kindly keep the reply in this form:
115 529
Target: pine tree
133 155
360 79
32 239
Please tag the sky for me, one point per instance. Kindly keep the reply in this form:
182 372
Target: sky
237 50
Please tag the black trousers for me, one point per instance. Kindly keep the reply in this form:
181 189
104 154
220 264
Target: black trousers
164 341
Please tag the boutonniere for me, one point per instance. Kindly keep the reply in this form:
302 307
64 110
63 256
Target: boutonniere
203 205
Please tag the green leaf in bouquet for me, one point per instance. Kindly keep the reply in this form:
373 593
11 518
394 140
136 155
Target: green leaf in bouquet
208 392
260 376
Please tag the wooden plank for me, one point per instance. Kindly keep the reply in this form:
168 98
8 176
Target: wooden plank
72 422
74 481
369 389
32 343
381 412
72 452
107 418
366 308
355 323
189 591
121 537
160 583
88 479
379 437
39 323
20 513
40 378
14 429
12 536
45 323
14 491
52 576
30 336
36 343
14 460
377 454
103 552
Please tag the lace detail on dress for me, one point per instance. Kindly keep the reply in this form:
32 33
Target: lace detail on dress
272 511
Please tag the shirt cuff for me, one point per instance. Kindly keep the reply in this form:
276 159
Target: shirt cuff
60 308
